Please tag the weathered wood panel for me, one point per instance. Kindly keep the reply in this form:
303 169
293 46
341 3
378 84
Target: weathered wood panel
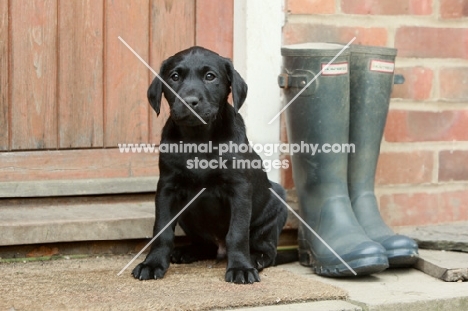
66 81
215 26
68 187
76 164
126 108
4 126
33 74
80 73
172 29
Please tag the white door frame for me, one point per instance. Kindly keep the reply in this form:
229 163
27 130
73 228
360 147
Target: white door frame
257 57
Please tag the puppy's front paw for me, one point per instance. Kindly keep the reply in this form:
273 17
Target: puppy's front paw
146 271
242 276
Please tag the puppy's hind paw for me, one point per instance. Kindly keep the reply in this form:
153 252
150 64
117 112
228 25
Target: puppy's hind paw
242 276
258 261
147 272
183 255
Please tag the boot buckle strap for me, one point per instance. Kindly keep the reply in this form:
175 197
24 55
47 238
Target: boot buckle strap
298 79
398 79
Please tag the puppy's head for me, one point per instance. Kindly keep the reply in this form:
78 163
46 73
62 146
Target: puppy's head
200 79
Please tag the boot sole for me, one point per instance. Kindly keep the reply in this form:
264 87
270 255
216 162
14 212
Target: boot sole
362 266
402 258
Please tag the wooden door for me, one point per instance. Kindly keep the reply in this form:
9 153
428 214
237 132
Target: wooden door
70 91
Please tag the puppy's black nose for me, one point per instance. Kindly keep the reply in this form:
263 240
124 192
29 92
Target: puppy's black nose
191 100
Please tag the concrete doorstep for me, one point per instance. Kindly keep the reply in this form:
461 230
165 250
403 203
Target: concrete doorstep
394 289
75 219
444 250
447 266
391 290
44 223
435 283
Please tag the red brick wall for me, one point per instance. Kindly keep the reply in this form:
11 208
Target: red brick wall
422 173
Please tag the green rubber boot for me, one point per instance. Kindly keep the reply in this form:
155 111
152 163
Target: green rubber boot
320 116
371 81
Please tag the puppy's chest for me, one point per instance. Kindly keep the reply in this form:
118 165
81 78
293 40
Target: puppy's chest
208 217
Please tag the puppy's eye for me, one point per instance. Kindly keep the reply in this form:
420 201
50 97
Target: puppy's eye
210 76
175 77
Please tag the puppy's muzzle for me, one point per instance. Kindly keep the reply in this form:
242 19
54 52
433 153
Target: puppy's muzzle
192 101
181 113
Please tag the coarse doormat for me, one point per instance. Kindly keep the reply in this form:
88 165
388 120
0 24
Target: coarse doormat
93 284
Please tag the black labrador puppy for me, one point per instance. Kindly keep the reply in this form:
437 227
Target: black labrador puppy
237 215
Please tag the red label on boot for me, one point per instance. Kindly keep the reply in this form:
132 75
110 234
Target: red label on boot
382 66
334 69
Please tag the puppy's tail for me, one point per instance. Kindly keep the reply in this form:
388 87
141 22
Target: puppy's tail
286 255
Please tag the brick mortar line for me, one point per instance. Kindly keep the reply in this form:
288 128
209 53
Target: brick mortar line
435 167
338 9
435 90
436 4
408 147
381 21
391 36
431 63
427 106
432 188
389 147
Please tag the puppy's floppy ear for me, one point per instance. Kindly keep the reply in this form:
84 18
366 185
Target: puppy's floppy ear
238 86
155 91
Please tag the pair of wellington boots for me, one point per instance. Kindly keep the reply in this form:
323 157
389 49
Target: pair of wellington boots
343 111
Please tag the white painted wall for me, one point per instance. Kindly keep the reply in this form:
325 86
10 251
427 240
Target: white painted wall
257 57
